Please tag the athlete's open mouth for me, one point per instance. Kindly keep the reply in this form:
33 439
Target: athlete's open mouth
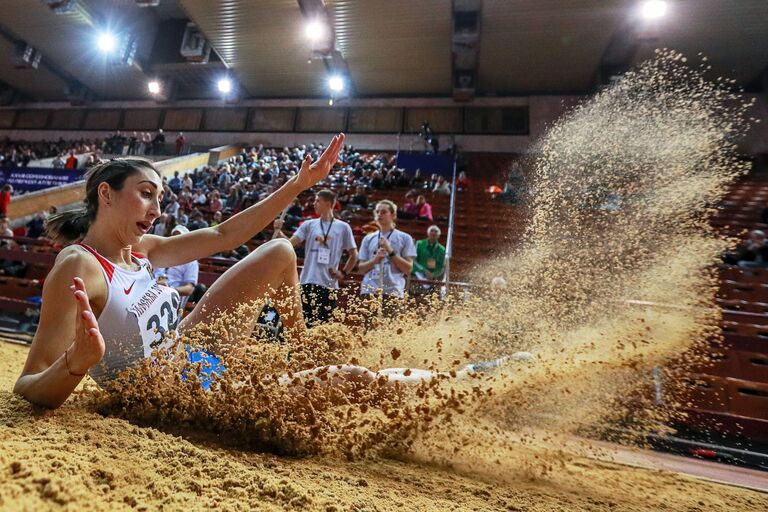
144 226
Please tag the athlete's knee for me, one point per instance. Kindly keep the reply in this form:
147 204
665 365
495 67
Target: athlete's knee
280 249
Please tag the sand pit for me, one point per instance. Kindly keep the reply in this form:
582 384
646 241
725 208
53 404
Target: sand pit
73 458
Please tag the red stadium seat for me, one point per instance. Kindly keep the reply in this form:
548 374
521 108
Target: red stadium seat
744 329
747 398
752 366
706 392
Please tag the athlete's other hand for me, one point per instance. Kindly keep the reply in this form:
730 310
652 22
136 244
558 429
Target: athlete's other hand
88 347
310 173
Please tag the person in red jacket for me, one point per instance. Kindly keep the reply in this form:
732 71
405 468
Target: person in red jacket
462 183
71 161
5 199
180 141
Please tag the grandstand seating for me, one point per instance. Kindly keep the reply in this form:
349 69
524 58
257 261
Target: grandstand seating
730 393
481 222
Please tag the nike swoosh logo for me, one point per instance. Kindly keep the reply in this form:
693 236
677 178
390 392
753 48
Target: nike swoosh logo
128 290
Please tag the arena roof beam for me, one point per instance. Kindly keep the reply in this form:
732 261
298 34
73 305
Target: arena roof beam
618 55
78 12
623 46
73 9
69 80
69 40
316 14
266 51
188 77
465 47
7 94
324 42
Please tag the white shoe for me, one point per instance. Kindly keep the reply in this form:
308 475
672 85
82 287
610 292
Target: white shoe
522 356
485 366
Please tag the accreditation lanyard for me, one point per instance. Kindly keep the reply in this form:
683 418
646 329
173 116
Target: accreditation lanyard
324 252
325 233
431 260
378 240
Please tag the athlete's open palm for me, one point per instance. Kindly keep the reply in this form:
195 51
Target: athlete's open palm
310 173
88 348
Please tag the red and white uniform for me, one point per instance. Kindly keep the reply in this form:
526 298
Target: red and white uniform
139 316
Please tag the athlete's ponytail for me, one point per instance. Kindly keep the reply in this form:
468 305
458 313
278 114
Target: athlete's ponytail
69 226
72 225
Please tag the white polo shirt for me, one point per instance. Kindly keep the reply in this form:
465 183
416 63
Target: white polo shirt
393 280
339 239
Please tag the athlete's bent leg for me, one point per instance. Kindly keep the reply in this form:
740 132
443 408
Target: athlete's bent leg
269 271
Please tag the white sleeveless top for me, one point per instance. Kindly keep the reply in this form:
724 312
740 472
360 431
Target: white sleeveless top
139 316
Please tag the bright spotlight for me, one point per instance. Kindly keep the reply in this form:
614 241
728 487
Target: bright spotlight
315 30
654 9
154 87
336 83
224 85
106 42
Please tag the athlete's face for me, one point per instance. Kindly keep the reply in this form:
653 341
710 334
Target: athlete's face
138 204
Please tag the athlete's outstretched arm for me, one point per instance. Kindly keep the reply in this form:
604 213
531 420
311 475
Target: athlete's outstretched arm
238 229
67 342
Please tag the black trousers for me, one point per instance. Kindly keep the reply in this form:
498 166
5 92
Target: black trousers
318 303
386 306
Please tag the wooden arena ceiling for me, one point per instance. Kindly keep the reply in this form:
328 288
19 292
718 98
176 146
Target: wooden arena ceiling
391 47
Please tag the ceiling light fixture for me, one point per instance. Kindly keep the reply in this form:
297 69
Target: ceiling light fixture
315 30
336 83
106 42
224 85
654 9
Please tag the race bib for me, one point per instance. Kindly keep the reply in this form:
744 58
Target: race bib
324 255
157 314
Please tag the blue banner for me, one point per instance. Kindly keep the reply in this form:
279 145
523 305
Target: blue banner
429 163
29 179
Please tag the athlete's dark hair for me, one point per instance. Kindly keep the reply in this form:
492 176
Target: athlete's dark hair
73 224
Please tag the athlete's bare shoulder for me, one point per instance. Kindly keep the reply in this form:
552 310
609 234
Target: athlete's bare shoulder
74 261
75 257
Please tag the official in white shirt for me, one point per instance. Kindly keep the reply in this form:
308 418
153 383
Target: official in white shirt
324 239
386 258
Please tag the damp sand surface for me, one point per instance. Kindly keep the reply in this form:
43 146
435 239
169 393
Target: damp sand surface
74 459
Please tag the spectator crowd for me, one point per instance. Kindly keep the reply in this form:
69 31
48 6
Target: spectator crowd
315 223
21 153
64 153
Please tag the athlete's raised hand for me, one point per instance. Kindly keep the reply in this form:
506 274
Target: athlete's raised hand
310 173
88 347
